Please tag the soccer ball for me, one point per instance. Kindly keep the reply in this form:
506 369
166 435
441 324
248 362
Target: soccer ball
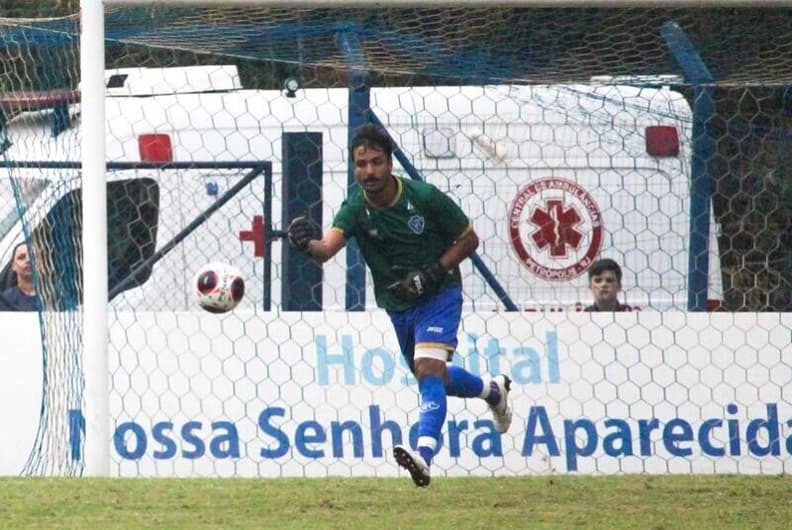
218 287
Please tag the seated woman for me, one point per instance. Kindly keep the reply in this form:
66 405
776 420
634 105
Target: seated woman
22 296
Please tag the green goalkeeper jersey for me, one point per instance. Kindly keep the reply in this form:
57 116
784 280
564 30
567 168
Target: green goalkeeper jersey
412 232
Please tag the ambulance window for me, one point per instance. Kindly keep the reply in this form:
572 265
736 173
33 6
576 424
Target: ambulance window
439 143
132 215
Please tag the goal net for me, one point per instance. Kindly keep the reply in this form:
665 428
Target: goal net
655 137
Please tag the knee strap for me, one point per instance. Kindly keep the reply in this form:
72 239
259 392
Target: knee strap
431 353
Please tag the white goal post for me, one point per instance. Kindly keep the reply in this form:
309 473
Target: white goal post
97 411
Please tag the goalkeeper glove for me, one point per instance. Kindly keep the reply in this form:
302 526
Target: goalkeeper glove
416 283
301 231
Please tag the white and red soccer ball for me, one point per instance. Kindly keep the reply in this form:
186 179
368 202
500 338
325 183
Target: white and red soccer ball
219 287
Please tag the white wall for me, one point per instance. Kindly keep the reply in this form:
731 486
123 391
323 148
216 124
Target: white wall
593 393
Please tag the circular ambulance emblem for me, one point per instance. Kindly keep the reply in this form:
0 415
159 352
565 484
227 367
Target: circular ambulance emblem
555 227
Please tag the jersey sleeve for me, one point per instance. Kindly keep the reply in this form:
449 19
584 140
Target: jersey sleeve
453 220
345 219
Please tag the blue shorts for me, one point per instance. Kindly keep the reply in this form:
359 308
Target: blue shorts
434 323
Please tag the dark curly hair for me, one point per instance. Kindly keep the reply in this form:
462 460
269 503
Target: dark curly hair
370 135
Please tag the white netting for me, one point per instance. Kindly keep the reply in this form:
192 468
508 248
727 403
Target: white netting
498 108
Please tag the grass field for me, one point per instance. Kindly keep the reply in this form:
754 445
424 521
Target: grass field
635 501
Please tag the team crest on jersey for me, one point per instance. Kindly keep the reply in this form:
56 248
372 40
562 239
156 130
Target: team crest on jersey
416 224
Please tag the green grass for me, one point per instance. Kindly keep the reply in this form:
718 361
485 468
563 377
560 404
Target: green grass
634 501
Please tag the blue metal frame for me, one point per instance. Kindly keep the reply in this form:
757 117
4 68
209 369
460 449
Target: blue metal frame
255 169
301 184
359 103
697 73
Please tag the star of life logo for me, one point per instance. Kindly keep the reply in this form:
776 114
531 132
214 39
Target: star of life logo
555 228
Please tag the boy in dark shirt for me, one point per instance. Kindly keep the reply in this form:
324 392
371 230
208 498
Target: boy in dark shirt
605 283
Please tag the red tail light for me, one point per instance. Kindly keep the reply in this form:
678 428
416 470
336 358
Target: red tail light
155 148
662 140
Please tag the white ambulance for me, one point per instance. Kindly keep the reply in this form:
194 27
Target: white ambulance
553 177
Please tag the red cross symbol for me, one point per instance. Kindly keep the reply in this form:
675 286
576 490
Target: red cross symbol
256 235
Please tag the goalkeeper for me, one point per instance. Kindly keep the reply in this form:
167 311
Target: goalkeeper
413 238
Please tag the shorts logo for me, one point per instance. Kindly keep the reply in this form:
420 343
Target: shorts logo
555 228
416 224
434 329
429 405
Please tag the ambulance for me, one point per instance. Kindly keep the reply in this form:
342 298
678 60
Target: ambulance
553 177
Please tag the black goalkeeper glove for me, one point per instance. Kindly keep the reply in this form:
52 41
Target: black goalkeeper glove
416 283
301 231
